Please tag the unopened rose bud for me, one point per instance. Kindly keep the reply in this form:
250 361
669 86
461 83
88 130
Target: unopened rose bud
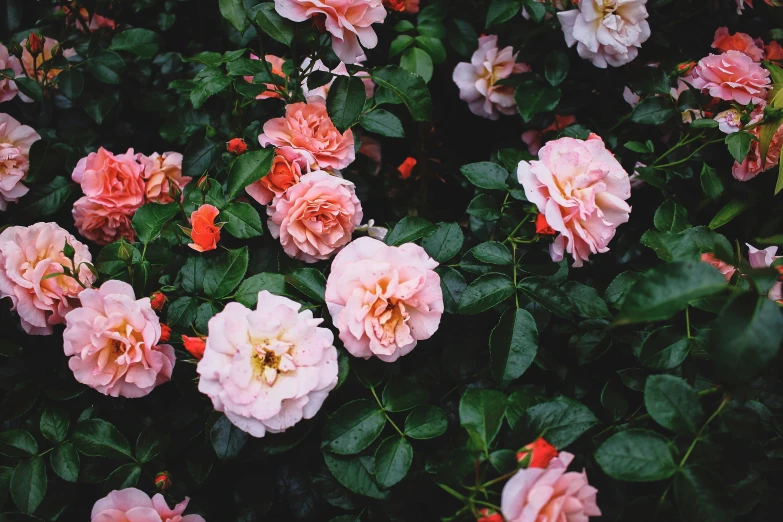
394 5
406 169
34 44
542 227
157 300
237 146
488 515
203 183
165 333
163 481
195 346
685 68
536 454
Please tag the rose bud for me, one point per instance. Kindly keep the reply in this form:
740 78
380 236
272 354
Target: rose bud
685 68
205 234
542 227
165 333
34 44
537 454
163 481
195 346
407 167
237 146
157 300
490 516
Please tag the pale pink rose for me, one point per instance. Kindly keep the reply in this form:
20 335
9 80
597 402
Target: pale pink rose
606 32
348 21
726 269
763 259
272 90
742 42
476 80
32 68
549 494
729 121
315 217
15 142
307 130
732 76
82 21
383 299
113 180
112 342
268 368
285 173
27 256
753 164
581 189
8 89
133 505
160 172
340 70
630 97
100 223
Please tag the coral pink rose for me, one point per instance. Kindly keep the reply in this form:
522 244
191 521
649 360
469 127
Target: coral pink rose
476 80
763 259
102 224
113 180
82 21
112 342
348 21
753 164
581 190
732 76
340 70
8 89
384 299
773 51
315 217
742 42
205 234
549 494
160 172
133 505
725 269
285 173
27 256
15 142
277 69
32 67
268 368
307 130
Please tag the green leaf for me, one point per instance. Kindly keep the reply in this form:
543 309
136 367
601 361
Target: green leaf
739 145
484 207
149 220
241 220
502 10
481 413
106 66
28 484
560 421
65 462
547 295
182 312
353 427
401 394
310 282
636 456
665 349
452 285
149 443
701 496
71 83
484 293
247 293
225 272
29 88
486 175
556 68
50 198
407 87
141 42
17 443
392 461
426 422
418 62
227 440
382 122
199 156
665 290
208 87
585 300
493 252
536 10
671 217
733 208
444 242
248 168
654 110
513 344
126 476
534 99
98 438
355 473
687 245
273 24
673 404
434 48
54 424
779 182
399 44
710 182
234 12
345 101
409 228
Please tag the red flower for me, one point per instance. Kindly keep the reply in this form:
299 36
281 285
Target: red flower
237 146
163 481
34 44
205 233
407 167
539 453
685 68
542 227
490 516
157 300
165 333
195 346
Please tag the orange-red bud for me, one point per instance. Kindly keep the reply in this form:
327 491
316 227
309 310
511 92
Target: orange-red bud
165 333
195 346
237 146
163 481
157 300
406 169
538 454
542 227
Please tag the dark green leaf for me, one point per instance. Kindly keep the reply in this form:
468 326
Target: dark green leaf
247 293
28 484
401 394
98 438
225 272
149 444
310 282
234 12
17 443
65 462
560 421
426 422
246 169
453 285
556 68
50 198
408 88
664 349
636 456
702 497
353 427
673 404
409 228
585 300
273 24
671 217
486 175
241 220
654 110
434 48
493 252
444 242
733 208
198 157
548 295
534 98
418 62
355 473
106 66
54 424
513 345
208 87
484 207
619 287
382 122
345 101
502 10
739 145
710 182
182 312
126 476
149 220
484 293
141 42
227 440
71 83
392 460
481 413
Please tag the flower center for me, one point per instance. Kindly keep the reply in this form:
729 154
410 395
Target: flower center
389 316
609 7
271 358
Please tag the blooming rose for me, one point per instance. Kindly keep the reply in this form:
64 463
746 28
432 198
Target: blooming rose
539 454
205 234
476 80
27 256
349 22
307 130
606 31
383 299
82 21
15 142
113 180
285 173
732 76
763 259
277 69
102 224
753 164
340 70
267 368
549 494
8 87
32 67
133 505
315 217
726 269
113 342
742 42
160 172
581 189
729 121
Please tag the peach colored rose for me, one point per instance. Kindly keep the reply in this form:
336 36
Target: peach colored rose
348 21
726 269
102 224
15 142
277 69
27 256
32 67
315 217
476 80
268 368
732 76
133 505
742 42
112 342
160 172
285 173
82 21
307 130
753 164
763 259
549 494
8 89
383 299
340 70
115 181
205 234
581 189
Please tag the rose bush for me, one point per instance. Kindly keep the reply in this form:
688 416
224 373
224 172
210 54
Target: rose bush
391 260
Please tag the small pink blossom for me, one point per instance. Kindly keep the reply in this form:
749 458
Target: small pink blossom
133 505
630 97
8 89
725 269
383 299
272 90
112 342
15 142
763 259
742 42
285 173
160 172
732 76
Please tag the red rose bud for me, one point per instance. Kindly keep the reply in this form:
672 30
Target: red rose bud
157 300
537 454
195 346
394 5
490 516
237 146
542 227
165 333
162 481
407 167
685 68
34 44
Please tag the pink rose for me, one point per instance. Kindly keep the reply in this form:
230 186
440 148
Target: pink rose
732 76
630 97
729 121
315 217
742 42
15 142
348 21
753 164
112 342
383 299
32 68
8 87
763 259
549 494
27 256
581 189
340 70
726 269
113 180
277 69
307 130
160 172
268 368
285 173
476 80
100 223
133 505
